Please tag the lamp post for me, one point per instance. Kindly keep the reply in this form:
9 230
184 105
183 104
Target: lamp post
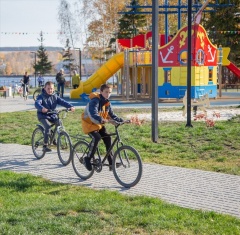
80 61
35 62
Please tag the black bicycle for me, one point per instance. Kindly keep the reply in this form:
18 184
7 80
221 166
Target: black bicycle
127 163
64 144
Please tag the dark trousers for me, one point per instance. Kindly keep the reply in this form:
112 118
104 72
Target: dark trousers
60 88
47 126
96 137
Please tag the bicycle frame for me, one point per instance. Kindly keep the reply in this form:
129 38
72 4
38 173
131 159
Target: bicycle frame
58 128
117 141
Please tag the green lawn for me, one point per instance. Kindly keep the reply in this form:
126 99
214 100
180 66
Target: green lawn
32 205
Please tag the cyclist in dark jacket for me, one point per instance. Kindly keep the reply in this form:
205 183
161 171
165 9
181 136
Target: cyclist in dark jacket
98 112
48 101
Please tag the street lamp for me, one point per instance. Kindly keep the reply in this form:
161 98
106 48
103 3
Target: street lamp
35 62
80 62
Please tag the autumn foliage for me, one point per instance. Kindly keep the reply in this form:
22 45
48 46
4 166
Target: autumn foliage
210 122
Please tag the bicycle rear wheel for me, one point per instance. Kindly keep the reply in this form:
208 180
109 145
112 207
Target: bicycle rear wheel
127 166
80 151
64 148
36 93
37 143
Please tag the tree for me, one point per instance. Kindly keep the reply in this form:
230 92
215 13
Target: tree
69 28
225 32
8 69
132 23
43 66
67 58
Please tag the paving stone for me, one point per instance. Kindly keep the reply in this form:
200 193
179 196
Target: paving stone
189 188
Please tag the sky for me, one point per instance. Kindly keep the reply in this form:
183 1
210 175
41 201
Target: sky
21 22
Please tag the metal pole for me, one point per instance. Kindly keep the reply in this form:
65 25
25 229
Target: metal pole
166 22
80 63
220 71
189 55
35 62
155 41
35 70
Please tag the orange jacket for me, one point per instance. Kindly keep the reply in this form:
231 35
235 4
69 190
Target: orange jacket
96 110
94 122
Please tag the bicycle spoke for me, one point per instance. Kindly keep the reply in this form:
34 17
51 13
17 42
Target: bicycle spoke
37 143
79 152
64 148
127 166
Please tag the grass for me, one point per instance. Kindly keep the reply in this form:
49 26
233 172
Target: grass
32 205
213 149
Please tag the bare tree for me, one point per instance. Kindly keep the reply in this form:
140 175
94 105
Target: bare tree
68 23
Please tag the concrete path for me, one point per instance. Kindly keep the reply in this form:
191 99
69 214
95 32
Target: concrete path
188 188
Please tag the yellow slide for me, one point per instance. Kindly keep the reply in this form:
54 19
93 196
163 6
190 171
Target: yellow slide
99 77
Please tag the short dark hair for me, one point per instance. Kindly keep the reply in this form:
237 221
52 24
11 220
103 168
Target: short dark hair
48 83
105 86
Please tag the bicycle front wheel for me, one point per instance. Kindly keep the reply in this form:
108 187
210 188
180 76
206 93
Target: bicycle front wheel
80 151
37 143
64 148
36 93
127 166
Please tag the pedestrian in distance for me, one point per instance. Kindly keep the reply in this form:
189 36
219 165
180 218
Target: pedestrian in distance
60 78
75 80
98 112
40 80
25 81
48 101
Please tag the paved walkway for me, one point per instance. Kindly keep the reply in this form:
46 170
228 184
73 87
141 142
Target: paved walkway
188 188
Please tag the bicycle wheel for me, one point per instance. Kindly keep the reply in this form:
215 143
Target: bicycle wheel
36 93
64 148
80 151
127 166
37 143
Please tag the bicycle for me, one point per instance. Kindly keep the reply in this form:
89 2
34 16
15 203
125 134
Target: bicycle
17 89
126 166
38 91
64 144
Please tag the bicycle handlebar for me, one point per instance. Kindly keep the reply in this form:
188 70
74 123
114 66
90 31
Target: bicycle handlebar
58 111
116 124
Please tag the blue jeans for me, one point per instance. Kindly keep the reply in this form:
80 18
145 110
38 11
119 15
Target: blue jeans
60 88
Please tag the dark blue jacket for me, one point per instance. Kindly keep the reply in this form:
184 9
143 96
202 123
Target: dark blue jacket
49 102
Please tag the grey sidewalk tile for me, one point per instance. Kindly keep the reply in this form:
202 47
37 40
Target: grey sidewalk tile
196 189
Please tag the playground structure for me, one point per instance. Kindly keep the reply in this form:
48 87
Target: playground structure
133 65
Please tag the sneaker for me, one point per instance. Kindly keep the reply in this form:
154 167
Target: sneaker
87 161
46 149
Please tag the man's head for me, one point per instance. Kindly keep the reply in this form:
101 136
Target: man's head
106 90
62 71
49 88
